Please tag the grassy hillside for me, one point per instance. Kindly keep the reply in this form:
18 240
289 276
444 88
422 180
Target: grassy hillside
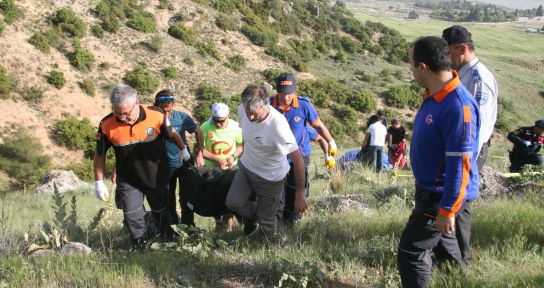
515 57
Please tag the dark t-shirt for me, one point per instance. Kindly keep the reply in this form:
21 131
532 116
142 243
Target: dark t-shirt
397 134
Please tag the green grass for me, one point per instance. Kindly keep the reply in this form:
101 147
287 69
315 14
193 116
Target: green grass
515 57
356 248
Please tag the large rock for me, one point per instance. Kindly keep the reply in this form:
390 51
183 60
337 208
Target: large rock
64 180
76 248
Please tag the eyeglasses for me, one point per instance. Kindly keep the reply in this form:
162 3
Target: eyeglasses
126 114
165 99
219 120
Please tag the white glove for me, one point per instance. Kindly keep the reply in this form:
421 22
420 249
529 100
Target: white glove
184 155
332 148
101 191
527 143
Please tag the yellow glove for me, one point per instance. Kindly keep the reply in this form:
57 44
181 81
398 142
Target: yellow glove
332 148
330 162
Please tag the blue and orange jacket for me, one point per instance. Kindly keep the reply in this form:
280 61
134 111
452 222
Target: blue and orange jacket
445 146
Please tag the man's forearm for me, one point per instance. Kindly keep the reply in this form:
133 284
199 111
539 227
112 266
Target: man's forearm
99 165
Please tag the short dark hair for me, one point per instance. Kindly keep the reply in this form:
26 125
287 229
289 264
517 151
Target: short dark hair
434 52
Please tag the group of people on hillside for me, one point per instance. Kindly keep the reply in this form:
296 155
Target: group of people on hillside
267 154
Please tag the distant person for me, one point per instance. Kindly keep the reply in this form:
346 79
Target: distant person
527 143
223 146
299 112
181 122
137 135
443 155
263 166
375 137
479 81
396 143
382 117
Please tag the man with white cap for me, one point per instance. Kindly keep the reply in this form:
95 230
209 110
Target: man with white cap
223 145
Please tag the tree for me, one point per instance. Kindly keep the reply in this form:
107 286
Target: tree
539 11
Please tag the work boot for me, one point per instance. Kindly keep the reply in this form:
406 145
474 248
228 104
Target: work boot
251 227
138 244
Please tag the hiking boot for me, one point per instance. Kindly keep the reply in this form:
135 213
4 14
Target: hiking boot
250 228
138 244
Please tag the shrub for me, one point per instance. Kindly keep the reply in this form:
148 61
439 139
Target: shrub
189 61
225 6
341 57
404 95
270 75
6 84
305 49
56 78
302 67
208 49
206 96
67 20
183 33
324 92
33 94
2 26
362 101
226 22
53 37
88 86
142 79
155 44
21 157
81 58
97 31
39 40
10 11
170 72
286 55
163 4
237 63
260 35
142 21
75 134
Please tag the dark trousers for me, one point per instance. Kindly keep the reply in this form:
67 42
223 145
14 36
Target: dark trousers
286 209
131 200
482 156
420 237
175 179
376 157
517 161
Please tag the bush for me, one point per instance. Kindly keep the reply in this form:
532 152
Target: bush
88 86
225 6
21 157
67 20
142 79
33 94
170 72
284 54
56 78
302 67
142 21
341 57
163 4
81 58
155 44
53 37
270 75
208 49
226 23
10 11
237 63
2 26
404 95
206 96
189 61
75 134
362 101
324 92
260 35
39 40
97 31
6 84
183 33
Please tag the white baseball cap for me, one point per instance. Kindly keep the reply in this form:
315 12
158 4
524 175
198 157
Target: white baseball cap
220 110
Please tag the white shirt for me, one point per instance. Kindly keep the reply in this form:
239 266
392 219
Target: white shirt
377 131
266 144
481 83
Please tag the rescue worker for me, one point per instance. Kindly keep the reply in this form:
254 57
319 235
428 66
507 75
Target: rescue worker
527 143
443 156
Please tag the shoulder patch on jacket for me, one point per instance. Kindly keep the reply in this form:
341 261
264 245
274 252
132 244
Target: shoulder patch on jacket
476 76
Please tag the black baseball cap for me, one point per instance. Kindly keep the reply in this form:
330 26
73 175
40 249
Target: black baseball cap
457 34
286 83
539 123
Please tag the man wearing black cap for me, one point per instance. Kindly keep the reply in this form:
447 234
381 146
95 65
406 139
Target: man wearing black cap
299 112
527 143
478 80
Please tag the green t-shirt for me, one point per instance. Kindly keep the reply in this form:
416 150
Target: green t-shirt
221 142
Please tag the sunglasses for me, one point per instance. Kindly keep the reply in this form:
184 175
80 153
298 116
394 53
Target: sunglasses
219 121
165 99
